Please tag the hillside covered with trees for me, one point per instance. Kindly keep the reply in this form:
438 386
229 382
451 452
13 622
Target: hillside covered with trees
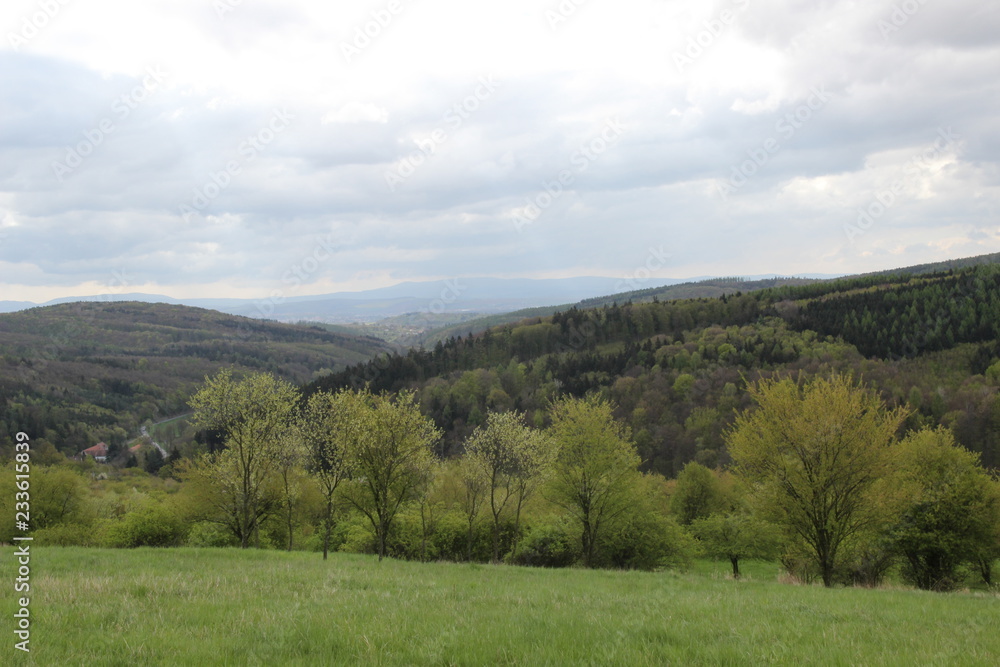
678 370
79 373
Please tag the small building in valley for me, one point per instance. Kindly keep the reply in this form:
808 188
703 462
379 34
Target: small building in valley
98 452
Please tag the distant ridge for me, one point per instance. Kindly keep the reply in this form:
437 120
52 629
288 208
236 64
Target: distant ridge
936 267
704 289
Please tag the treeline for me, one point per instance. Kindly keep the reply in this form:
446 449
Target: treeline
574 331
824 477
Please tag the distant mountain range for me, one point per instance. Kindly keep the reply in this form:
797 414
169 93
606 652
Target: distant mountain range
473 295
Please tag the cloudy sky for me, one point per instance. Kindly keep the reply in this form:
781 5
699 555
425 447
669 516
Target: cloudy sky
242 147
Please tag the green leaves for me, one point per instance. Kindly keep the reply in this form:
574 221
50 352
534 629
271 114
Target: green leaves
949 511
256 416
595 465
511 459
811 455
388 451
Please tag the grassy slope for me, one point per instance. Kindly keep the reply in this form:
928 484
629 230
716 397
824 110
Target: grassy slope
190 606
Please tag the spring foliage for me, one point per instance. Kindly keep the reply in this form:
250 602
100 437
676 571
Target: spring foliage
811 454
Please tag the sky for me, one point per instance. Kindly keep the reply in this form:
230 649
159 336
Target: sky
243 148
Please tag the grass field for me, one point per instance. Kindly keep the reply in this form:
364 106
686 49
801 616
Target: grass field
216 606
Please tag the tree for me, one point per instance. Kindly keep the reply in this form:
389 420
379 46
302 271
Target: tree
428 504
698 494
736 535
950 513
329 423
288 460
512 458
810 455
474 489
57 495
154 461
595 466
253 416
388 458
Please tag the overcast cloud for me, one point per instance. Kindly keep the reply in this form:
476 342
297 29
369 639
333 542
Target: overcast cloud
210 148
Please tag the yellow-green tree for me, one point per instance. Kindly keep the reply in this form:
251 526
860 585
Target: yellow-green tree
474 490
254 416
950 512
736 535
330 422
595 467
389 458
810 455
697 494
512 459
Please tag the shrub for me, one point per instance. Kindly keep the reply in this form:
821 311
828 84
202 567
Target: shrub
647 540
152 525
550 543
208 534
68 535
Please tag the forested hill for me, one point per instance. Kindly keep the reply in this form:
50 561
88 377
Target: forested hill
711 288
677 370
83 372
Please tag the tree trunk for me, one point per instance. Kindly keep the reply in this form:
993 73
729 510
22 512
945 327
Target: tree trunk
517 529
735 560
328 525
496 540
588 543
986 570
827 569
423 535
291 507
382 535
825 553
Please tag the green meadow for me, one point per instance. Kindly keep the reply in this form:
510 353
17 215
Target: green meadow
189 606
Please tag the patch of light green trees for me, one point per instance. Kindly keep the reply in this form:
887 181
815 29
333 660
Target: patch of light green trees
821 476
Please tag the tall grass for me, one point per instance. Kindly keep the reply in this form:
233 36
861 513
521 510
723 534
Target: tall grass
217 606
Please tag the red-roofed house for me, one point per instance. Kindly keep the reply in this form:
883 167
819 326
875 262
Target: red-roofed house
98 452
135 448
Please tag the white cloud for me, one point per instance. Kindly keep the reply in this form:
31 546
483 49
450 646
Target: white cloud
357 112
688 126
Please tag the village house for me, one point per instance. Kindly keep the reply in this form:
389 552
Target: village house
98 452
